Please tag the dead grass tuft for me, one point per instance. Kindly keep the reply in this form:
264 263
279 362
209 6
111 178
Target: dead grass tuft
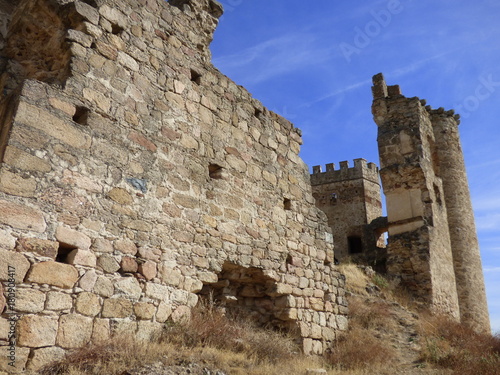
455 346
358 350
211 326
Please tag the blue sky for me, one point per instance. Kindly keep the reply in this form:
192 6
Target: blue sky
312 62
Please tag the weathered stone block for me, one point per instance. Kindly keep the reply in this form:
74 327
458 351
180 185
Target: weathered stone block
88 304
101 331
103 287
108 263
102 246
120 196
72 238
148 269
43 356
21 217
128 264
15 184
74 331
37 331
53 273
44 248
125 246
88 280
117 308
14 265
58 301
128 287
144 310
163 313
82 258
22 160
29 300
40 119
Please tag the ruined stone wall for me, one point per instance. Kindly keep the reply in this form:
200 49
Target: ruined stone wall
136 178
419 249
350 198
432 237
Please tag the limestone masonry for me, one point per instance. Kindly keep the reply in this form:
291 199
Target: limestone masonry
136 179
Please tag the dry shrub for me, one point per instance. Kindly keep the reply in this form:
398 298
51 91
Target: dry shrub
456 346
374 314
356 279
109 357
358 350
211 326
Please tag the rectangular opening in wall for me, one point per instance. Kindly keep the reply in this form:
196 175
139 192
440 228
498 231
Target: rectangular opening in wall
355 244
81 115
195 77
116 29
215 171
287 204
63 251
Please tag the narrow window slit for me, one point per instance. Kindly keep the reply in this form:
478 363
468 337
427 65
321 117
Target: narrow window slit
287 204
215 171
81 115
63 252
195 77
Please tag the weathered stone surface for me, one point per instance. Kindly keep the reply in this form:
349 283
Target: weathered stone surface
37 331
88 304
128 287
108 263
72 238
43 356
44 248
29 300
144 310
148 269
120 195
7 241
15 184
53 273
102 246
103 287
21 159
88 280
128 264
117 308
82 258
125 246
74 331
58 301
53 126
21 217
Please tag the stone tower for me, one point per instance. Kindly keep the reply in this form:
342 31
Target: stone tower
432 237
351 199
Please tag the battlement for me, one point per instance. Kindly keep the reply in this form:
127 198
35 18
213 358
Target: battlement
380 90
361 169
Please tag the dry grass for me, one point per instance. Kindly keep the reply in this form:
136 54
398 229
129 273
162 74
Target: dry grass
361 349
455 346
230 344
356 279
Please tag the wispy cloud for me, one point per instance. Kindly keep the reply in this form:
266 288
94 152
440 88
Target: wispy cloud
274 57
491 269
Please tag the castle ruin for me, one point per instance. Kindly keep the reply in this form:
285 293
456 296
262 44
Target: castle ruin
135 179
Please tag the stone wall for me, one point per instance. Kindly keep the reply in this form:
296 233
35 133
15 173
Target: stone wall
351 199
136 178
432 237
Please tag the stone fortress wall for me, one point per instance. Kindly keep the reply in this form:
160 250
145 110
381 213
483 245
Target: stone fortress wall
136 178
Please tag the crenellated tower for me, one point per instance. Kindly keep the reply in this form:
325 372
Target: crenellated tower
432 238
351 199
